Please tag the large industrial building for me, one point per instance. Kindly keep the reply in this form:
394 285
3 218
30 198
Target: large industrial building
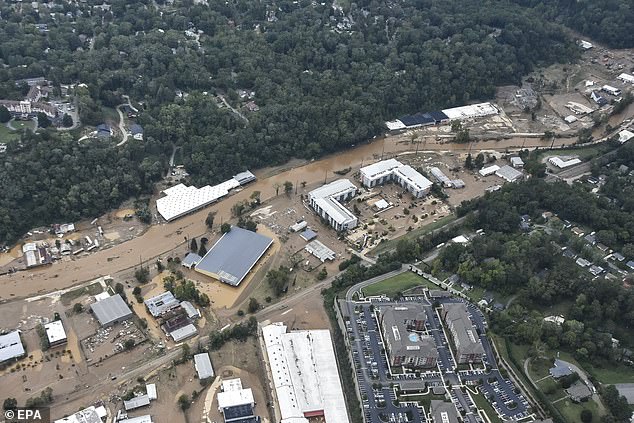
326 201
111 310
469 348
180 199
401 327
304 373
234 255
392 170
434 118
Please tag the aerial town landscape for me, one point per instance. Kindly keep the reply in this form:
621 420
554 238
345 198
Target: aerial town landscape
305 212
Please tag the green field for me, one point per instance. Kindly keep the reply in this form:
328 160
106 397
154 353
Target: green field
92 289
23 124
572 411
413 234
6 134
396 284
584 153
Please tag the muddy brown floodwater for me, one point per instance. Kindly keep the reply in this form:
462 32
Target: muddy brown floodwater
160 239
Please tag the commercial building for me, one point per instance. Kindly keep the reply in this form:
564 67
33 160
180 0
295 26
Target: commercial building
191 260
517 162
183 332
236 403
437 117
441 177
392 170
136 402
611 90
625 136
326 201
627 78
563 162
489 170
233 256
36 254
303 367
11 346
202 363
55 333
161 303
111 310
471 111
180 199
443 412
319 250
141 419
469 348
406 346
509 174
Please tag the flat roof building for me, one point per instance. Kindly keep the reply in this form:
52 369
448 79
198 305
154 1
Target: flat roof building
406 346
202 363
440 177
183 333
11 346
443 412
319 250
55 333
236 403
161 303
563 162
471 111
517 162
111 310
233 256
136 402
489 170
304 372
509 174
141 419
87 415
625 136
469 348
326 201
191 260
180 199
392 170
627 78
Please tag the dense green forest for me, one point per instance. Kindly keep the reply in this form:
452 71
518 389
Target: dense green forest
325 77
48 179
608 21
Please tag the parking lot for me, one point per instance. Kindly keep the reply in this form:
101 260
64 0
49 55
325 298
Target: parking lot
375 376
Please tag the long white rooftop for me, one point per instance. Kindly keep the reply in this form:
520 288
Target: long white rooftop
181 199
412 176
471 111
304 372
380 169
334 188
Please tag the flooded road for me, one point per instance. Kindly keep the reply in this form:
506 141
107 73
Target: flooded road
160 239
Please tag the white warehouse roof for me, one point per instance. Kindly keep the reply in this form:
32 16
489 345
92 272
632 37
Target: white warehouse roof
412 176
471 111
486 171
563 163
304 372
181 199
203 366
11 346
334 188
509 173
626 78
380 169
625 136
235 398
55 331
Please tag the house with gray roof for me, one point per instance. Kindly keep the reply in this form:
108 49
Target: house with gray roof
469 348
11 346
406 346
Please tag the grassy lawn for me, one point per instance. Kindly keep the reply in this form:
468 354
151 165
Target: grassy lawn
616 373
6 134
485 406
413 234
398 283
584 153
572 411
23 124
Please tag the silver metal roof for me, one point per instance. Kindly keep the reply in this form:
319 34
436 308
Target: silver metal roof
161 304
136 402
111 310
203 366
11 346
233 256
